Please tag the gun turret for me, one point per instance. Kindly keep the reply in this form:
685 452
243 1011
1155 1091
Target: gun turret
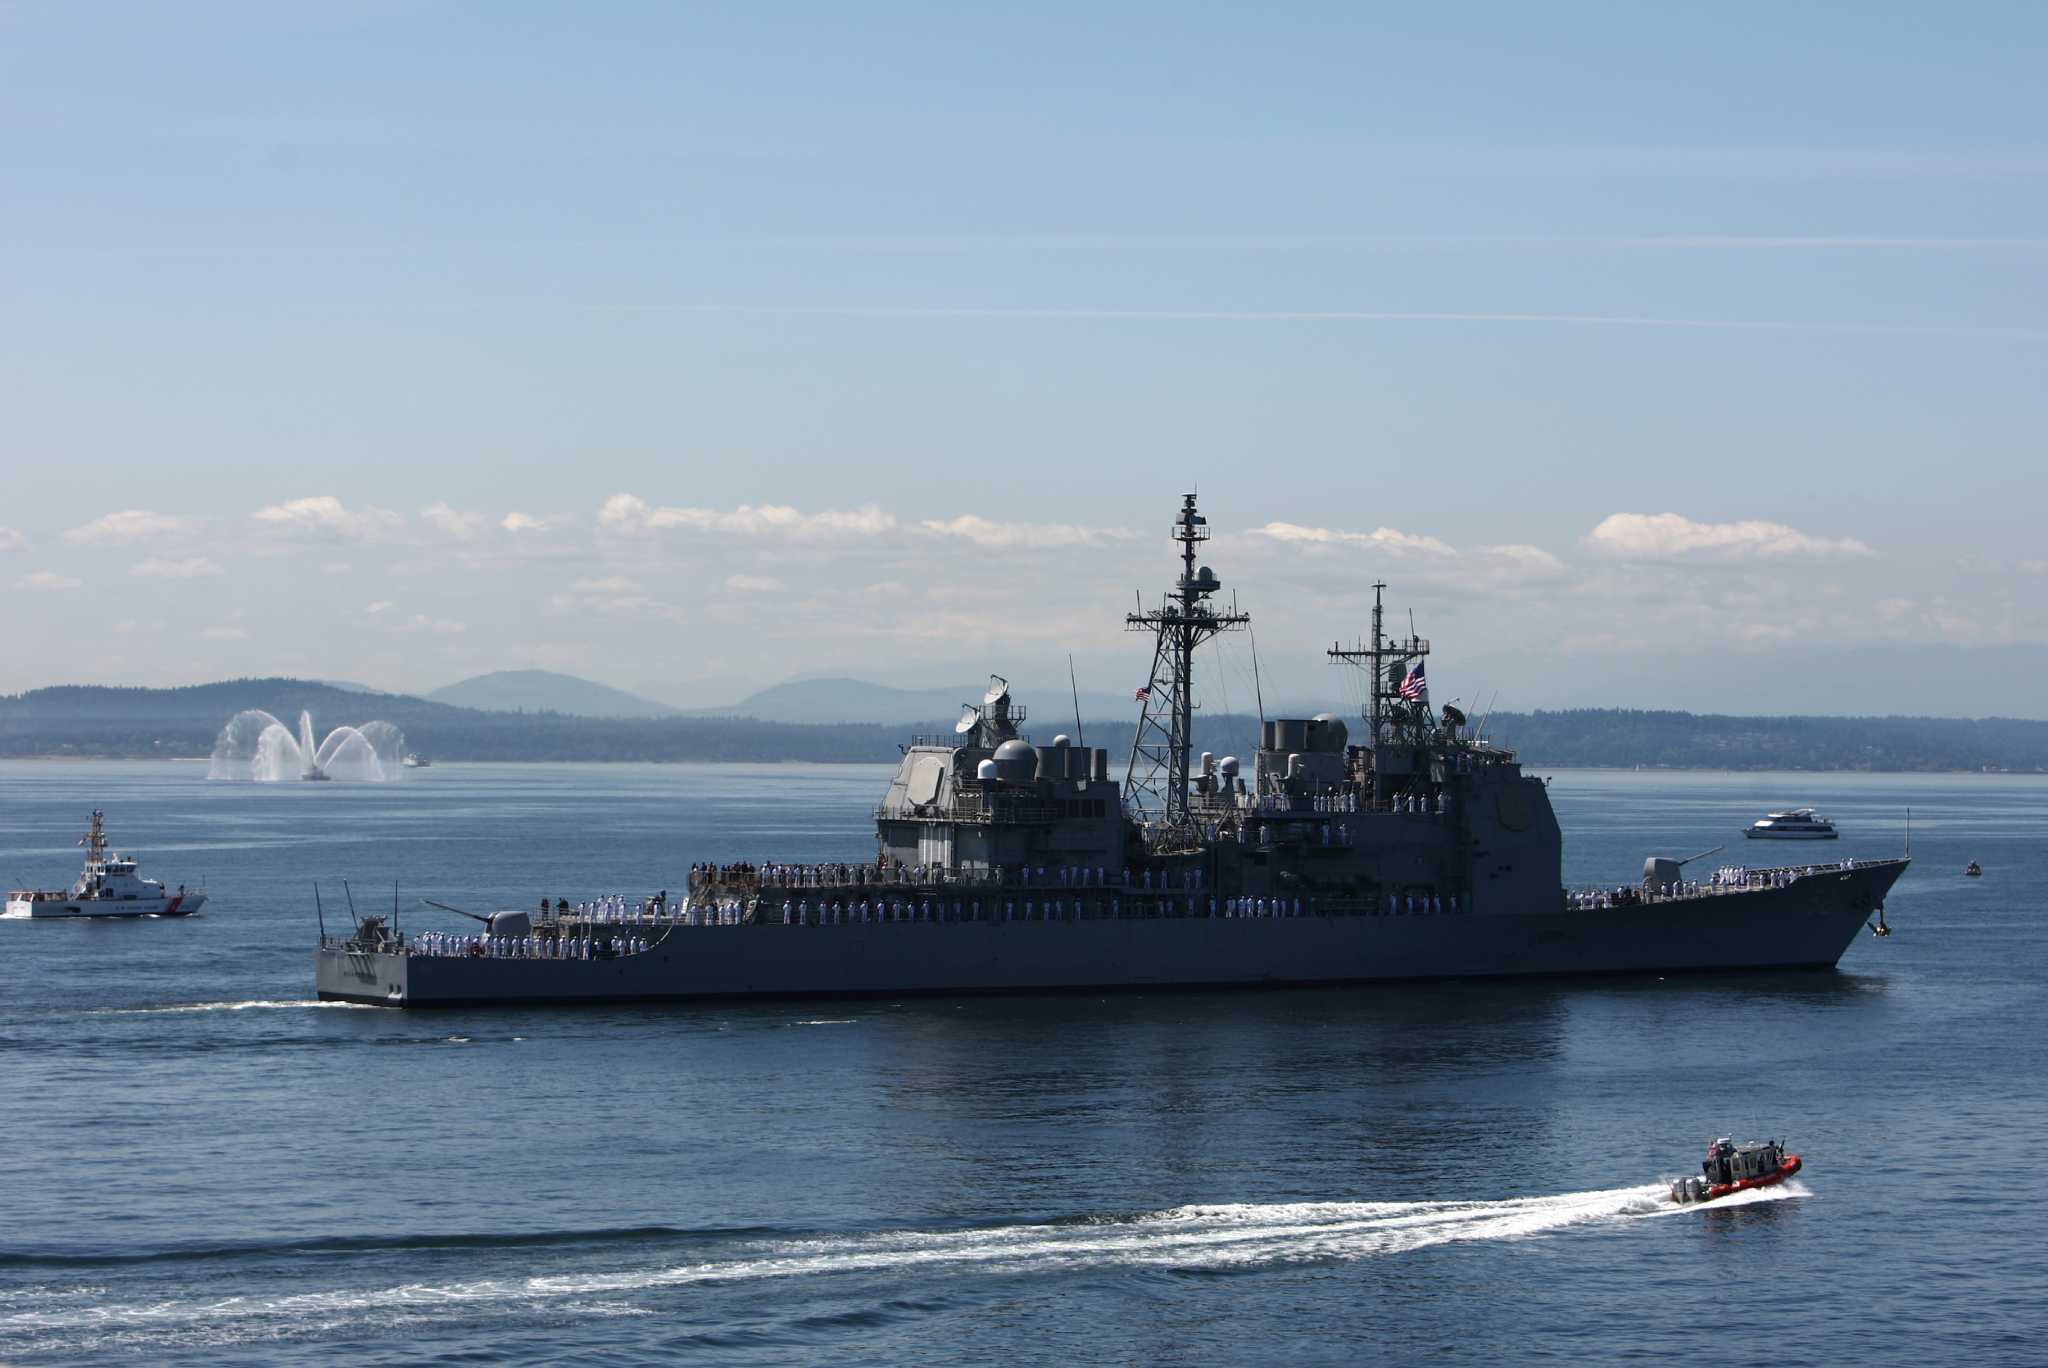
1660 870
495 923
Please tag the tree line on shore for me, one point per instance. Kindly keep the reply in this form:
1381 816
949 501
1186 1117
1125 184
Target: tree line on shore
99 722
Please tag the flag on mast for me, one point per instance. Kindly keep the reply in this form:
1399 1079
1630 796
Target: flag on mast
1414 687
1142 694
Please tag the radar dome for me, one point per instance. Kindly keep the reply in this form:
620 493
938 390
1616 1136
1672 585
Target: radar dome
1016 762
1062 740
985 771
1227 767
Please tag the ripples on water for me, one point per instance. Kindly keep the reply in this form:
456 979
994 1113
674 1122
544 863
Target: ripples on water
206 1165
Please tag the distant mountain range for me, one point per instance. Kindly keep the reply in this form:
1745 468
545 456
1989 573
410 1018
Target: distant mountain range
856 700
796 700
134 722
547 691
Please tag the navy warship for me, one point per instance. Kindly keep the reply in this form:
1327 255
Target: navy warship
1419 851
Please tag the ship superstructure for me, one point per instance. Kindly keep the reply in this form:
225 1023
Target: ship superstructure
108 886
1416 850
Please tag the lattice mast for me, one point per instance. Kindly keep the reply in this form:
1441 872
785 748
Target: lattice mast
1390 719
1156 782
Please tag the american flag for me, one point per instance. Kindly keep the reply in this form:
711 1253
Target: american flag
1141 695
1414 686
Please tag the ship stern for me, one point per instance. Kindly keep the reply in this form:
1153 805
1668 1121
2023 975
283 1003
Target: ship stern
376 978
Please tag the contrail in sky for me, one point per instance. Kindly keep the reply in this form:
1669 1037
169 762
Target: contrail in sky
1343 316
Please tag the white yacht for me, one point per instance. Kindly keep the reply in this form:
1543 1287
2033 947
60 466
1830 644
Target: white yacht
1795 824
108 887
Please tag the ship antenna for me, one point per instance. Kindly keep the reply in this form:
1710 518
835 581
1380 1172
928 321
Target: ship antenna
318 911
1075 686
1480 735
1258 689
1909 833
352 907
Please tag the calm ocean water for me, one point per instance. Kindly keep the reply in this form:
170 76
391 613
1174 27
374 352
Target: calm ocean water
206 1166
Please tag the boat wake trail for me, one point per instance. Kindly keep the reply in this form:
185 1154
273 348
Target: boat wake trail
1214 1239
252 1005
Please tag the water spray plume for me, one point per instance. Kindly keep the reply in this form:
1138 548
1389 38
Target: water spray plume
255 745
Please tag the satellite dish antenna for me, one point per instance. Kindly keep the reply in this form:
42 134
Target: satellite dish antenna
998 690
970 718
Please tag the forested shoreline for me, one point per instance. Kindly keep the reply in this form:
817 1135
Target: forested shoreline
127 723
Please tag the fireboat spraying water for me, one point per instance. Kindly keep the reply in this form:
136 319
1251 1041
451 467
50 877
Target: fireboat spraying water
255 745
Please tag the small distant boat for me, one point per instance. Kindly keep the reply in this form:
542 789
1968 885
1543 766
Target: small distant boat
414 760
1973 870
1731 1168
1794 824
108 887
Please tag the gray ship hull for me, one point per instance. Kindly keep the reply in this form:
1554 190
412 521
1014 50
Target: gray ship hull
1808 923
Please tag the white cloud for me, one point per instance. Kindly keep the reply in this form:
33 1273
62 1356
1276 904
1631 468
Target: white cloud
11 540
192 567
420 622
463 526
1380 538
523 522
46 580
629 512
752 584
380 606
982 532
1533 560
610 584
224 634
1672 536
323 513
128 525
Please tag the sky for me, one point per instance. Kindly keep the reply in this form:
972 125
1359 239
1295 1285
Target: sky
1653 358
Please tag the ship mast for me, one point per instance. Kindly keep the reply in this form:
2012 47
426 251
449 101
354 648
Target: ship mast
1389 717
1156 781
95 838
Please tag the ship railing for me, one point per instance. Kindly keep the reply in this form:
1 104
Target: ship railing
1014 905
595 941
967 808
1722 882
952 740
786 879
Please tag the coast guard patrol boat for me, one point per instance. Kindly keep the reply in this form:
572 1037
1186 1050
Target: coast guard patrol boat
107 887
1418 851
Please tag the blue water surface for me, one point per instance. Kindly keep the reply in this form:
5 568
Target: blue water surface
207 1166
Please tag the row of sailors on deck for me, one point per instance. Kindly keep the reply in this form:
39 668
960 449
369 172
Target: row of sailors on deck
1770 878
1740 879
617 907
525 947
1062 876
801 913
705 872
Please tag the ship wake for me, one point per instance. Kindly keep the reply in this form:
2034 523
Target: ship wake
1216 1239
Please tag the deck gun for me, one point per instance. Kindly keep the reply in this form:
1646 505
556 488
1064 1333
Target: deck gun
1660 870
495 923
